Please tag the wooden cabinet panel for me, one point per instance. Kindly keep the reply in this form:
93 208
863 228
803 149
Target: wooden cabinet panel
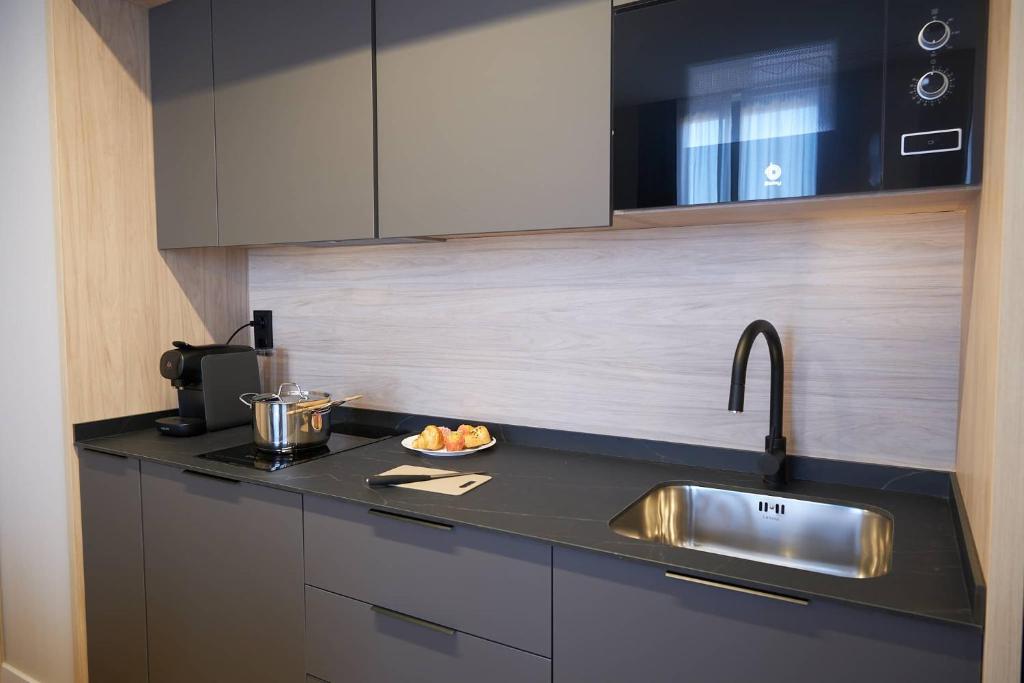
294 116
224 588
492 115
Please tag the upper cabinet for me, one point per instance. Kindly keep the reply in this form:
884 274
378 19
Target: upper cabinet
492 115
293 87
262 121
181 62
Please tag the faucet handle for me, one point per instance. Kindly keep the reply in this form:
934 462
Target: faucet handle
775 444
773 463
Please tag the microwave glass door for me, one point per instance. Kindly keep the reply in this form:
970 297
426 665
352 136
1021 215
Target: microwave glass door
745 100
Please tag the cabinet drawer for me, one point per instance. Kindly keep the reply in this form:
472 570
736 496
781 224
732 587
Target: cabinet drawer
490 585
349 640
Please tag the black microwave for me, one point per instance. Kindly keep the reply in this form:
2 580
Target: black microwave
739 100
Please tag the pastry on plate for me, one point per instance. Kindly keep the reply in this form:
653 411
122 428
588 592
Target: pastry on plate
476 436
430 439
453 441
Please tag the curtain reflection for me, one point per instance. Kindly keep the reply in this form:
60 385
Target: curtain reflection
706 159
771 107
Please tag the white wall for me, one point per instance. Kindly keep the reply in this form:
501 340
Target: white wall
35 582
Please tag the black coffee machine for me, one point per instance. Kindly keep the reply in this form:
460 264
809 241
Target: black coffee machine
209 380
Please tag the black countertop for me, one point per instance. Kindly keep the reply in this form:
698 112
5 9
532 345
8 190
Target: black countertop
567 498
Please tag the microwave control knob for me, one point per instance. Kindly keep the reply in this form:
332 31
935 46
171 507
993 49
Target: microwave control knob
932 85
934 35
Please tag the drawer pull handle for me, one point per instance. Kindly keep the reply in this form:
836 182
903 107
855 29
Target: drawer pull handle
412 520
737 589
409 619
207 475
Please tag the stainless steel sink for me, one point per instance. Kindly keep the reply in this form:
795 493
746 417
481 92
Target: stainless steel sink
829 538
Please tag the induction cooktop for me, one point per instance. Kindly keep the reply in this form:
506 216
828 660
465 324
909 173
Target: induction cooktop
247 455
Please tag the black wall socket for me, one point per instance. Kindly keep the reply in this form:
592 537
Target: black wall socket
263 329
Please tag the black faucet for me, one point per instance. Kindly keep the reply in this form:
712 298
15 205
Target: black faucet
773 462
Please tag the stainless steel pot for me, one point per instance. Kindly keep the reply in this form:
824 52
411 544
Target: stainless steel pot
291 419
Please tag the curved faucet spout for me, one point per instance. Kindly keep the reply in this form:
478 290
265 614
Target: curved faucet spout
774 461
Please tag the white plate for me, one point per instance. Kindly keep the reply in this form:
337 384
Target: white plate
407 442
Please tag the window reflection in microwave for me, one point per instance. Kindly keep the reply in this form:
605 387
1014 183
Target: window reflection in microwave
749 126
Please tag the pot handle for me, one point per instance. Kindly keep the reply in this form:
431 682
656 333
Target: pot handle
248 395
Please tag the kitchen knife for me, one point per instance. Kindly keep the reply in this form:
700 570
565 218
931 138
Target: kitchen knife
379 480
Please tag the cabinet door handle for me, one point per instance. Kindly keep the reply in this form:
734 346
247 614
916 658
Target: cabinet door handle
111 455
207 475
409 619
412 520
737 589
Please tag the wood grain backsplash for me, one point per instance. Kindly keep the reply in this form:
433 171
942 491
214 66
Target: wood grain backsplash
633 332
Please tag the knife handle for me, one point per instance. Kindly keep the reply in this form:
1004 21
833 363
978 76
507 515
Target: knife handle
395 479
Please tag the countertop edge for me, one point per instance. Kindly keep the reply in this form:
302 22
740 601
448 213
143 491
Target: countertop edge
973 572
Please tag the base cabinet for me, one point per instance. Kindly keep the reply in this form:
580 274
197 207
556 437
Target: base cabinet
349 640
224 583
616 621
115 588
199 578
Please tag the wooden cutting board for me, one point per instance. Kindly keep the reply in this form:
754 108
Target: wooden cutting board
451 486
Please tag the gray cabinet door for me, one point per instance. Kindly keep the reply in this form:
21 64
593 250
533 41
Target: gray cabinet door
619 621
181 62
492 115
115 588
486 584
224 587
351 640
294 112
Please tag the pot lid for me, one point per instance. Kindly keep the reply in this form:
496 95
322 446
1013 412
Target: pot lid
290 393
277 398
